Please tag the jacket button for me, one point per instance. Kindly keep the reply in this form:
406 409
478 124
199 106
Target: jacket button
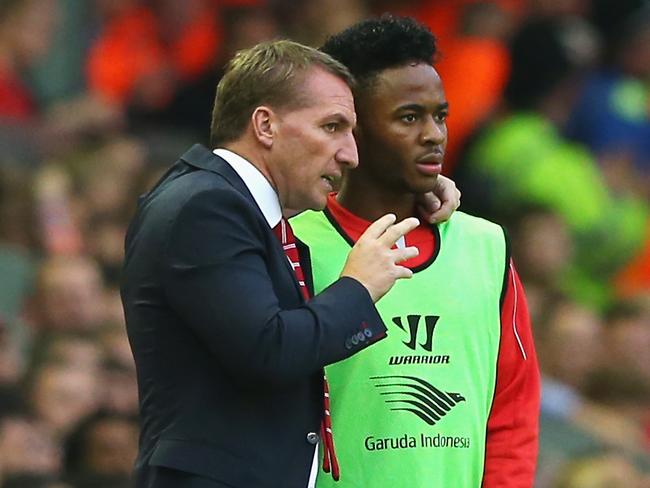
312 438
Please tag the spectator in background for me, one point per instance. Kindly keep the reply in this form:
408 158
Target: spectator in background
119 390
520 158
105 176
627 335
99 453
105 244
542 246
627 393
61 396
75 349
311 21
69 295
58 76
189 109
611 115
115 342
570 344
18 224
26 27
28 448
11 360
606 470
145 51
572 350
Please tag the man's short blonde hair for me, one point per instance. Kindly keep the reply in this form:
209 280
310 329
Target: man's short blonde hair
270 74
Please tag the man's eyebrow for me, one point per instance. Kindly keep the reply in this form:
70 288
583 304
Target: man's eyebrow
416 107
340 118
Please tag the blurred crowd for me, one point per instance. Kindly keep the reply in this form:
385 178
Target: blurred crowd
549 136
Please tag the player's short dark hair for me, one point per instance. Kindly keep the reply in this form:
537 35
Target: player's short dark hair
377 44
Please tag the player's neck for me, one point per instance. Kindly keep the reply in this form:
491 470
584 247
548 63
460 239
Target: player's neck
368 200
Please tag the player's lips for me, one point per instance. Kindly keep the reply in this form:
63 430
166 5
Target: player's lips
430 163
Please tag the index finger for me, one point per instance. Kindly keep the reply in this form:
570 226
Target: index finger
396 231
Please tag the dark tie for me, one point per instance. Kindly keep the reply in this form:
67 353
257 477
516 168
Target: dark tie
285 235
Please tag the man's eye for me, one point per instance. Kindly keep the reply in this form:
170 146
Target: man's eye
331 127
409 118
442 116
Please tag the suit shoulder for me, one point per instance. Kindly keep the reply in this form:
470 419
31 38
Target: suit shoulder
189 189
187 186
198 194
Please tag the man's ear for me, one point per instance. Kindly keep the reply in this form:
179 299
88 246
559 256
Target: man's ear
263 119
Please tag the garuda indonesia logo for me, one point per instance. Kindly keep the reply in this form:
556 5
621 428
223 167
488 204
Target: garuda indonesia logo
421 398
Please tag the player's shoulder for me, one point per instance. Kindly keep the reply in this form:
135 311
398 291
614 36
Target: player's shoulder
473 225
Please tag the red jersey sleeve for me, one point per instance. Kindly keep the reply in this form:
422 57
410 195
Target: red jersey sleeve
512 430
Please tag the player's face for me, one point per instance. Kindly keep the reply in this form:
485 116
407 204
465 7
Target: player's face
314 143
402 132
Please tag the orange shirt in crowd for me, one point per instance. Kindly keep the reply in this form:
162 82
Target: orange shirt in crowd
131 48
474 73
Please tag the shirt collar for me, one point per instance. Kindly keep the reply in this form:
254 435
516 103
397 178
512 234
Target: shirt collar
262 191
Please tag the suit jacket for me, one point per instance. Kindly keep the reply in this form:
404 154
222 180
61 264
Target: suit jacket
229 356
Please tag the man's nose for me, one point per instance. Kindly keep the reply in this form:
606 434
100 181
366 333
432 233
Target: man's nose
347 154
433 132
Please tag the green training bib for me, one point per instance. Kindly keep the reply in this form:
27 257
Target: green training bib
411 411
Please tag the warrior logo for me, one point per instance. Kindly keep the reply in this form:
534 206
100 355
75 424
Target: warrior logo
413 325
411 394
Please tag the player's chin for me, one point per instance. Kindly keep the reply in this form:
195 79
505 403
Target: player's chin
423 184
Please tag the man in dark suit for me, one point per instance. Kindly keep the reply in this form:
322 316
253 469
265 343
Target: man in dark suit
229 353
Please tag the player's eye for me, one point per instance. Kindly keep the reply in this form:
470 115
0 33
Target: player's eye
441 116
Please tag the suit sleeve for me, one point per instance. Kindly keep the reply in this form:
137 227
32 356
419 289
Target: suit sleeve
217 279
512 431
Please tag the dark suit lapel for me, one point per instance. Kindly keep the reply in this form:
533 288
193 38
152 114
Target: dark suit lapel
201 157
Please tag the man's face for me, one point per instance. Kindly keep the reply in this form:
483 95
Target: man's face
63 395
112 446
313 144
402 131
71 295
